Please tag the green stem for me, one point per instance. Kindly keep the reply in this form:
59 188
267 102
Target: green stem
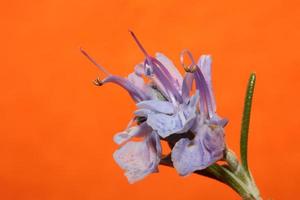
232 175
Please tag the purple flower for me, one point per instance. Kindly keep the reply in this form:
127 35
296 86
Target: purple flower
167 105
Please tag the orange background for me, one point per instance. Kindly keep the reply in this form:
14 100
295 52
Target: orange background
56 127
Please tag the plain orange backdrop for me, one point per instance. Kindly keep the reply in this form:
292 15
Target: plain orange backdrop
56 128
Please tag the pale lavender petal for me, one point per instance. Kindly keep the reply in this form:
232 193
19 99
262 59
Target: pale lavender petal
214 142
217 120
135 131
154 143
188 157
166 125
157 106
142 112
171 68
157 143
134 92
205 149
138 159
179 122
187 118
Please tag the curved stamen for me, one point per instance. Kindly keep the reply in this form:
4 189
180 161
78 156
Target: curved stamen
138 43
201 85
160 71
206 91
134 92
191 67
171 81
163 82
187 85
94 61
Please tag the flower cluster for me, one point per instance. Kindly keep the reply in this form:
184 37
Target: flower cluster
168 108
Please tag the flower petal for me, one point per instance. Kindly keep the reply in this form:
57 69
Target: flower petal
142 112
138 159
205 149
124 136
166 125
179 122
157 106
214 142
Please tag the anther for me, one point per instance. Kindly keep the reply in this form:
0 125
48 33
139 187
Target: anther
97 82
191 67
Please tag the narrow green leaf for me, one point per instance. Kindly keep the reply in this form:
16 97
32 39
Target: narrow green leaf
246 122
